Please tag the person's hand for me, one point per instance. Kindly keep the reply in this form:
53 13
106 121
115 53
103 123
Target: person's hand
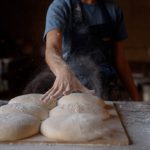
65 83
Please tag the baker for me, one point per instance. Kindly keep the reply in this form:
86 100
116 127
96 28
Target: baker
90 29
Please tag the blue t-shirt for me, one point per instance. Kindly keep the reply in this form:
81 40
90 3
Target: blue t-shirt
59 17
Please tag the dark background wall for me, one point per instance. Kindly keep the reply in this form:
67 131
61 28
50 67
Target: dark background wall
21 31
137 17
24 19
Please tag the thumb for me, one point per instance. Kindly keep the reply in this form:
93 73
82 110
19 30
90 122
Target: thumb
88 91
92 92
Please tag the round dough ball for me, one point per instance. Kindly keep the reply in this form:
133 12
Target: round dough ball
32 109
80 98
78 117
17 126
74 128
58 112
80 103
66 109
32 98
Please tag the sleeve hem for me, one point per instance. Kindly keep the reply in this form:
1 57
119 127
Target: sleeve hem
52 28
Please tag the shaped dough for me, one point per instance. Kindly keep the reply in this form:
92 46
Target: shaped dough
32 109
78 117
17 126
81 98
74 128
33 99
80 103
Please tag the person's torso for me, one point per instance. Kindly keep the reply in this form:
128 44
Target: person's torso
90 30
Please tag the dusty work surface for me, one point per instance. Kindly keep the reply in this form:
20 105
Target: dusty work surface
136 118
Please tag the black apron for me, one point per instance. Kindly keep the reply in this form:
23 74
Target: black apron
92 52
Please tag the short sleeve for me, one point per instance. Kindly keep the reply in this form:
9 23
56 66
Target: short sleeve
56 16
120 29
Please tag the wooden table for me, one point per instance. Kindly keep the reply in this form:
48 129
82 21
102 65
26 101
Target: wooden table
135 117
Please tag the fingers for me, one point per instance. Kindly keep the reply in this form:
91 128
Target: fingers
85 90
46 97
54 93
50 96
67 91
92 92
46 94
57 93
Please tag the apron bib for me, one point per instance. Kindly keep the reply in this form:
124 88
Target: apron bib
92 48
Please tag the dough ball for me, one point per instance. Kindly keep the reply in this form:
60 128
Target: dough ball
32 98
78 117
32 109
80 98
59 111
74 128
66 109
80 103
17 126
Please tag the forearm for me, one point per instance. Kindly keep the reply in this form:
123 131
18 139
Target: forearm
125 74
124 71
65 82
55 61
53 53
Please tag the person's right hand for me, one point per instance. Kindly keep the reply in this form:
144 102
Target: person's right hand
65 83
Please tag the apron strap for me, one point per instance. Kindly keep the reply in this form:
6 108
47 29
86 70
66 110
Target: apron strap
105 13
79 13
